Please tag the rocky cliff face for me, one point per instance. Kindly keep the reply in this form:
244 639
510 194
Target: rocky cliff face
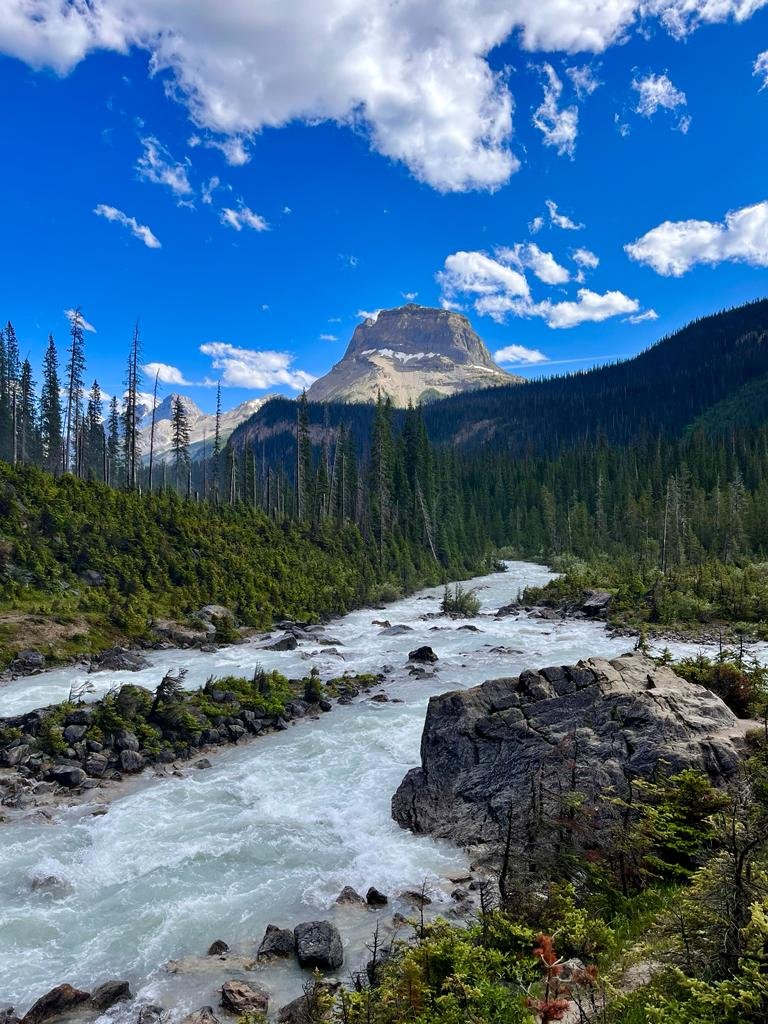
412 353
590 727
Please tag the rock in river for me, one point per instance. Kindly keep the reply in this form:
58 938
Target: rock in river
239 998
318 944
276 944
604 721
53 1004
423 654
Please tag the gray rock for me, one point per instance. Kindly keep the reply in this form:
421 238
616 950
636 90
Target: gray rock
218 947
96 765
239 998
109 993
350 896
28 661
285 643
150 1014
11 757
397 630
119 659
277 944
126 740
374 898
203 763
596 604
58 1001
309 1008
483 748
318 944
424 655
204 1015
7 1016
92 578
74 733
68 775
211 612
131 761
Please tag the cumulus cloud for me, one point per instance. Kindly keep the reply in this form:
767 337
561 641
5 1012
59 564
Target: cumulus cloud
140 231
519 355
674 247
583 80
760 68
559 127
157 165
498 290
560 220
589 307
86 326
165 373
542 264
585 258
329 337
415 77
656 92
255 368
243 217
365 314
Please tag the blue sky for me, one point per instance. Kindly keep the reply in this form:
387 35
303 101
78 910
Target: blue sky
250 191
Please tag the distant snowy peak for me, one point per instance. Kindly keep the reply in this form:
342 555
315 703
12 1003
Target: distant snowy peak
202 425
412 353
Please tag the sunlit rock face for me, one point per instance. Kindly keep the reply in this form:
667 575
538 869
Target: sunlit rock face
412 354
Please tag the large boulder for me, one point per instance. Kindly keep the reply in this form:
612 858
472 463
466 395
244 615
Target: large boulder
204 1015
277 944
318 944
425 655
590 727
240 998
109 993
119 659
596 604
58 1001
68 775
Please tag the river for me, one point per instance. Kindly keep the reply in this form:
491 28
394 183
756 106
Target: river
269 834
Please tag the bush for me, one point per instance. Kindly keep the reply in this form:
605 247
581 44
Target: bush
460 602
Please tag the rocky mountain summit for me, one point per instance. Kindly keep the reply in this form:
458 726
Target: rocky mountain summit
590 728
202 425
412 353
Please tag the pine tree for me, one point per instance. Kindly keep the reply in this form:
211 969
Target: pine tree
131 444
303 460
74 387
180 440
28 446
113 443
50 411
152 431
93 436
216 456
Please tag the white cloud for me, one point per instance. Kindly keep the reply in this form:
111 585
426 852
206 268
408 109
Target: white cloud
157 165
365 314
499 291
560 220
559 127
328 337
639 318
140 231
242 217
656 92
415 77
254 368
589 307
208 190
583 80
760 68
490 284
585 258
519 355
70 315
536 225
674 247
165 373
409 296
543 264
233 148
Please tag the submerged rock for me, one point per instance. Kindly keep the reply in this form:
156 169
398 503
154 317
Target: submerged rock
204 1015
285 643
318 944
599 722
349 895
218 947
374 898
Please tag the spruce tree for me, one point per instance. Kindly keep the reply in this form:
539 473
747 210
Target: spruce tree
216 456
93 434
131 439
180 440
28 446
74 387
113 443
50 410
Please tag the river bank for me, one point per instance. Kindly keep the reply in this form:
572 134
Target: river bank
275 829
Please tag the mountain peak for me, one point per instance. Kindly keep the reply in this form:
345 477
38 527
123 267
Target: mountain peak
411 353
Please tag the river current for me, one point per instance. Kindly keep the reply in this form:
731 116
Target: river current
270 833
